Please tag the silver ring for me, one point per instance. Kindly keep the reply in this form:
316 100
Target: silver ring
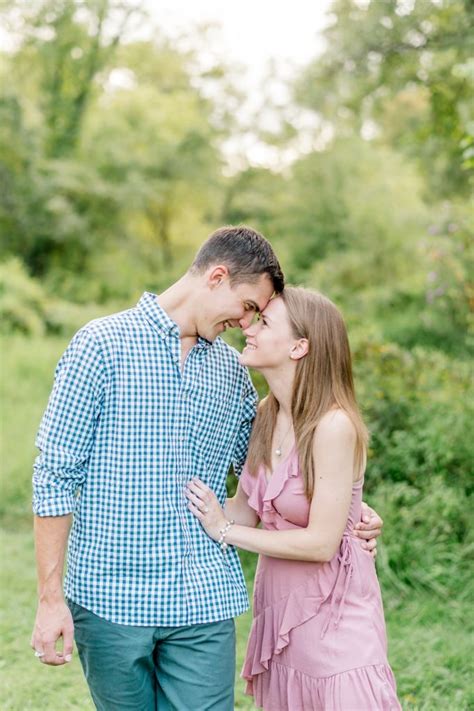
205 509
39 654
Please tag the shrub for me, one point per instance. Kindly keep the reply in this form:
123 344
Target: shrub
26 307
417 407
23 302
426 543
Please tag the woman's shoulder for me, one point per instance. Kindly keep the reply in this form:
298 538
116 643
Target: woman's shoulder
336 424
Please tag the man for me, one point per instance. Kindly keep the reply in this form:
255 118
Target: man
143 401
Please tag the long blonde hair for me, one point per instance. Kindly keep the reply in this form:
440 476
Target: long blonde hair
323 380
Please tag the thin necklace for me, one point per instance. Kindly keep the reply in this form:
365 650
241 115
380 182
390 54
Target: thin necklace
278 449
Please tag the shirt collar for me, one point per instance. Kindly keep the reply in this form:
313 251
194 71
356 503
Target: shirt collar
149 306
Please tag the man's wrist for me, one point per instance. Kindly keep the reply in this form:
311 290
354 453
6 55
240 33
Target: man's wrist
51 596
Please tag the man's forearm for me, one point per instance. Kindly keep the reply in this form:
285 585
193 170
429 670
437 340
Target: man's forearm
51 536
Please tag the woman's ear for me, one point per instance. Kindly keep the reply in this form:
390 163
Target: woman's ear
299 349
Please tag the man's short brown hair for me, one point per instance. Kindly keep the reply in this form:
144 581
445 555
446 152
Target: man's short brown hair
244 251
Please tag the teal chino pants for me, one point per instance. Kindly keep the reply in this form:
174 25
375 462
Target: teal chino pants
156 668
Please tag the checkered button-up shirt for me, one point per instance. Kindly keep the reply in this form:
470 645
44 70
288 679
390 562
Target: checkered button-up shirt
124 431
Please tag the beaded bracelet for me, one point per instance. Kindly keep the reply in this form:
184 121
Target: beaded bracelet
223 531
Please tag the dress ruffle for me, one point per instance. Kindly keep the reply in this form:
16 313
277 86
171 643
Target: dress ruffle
262 493
270 632
368 688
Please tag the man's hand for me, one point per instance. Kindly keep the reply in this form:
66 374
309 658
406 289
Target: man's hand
368 529
53 620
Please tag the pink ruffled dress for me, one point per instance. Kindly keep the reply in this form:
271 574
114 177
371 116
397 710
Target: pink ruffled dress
318 640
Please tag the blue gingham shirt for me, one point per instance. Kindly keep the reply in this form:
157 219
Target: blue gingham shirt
124 431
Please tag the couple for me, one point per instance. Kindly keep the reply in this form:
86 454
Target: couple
148 411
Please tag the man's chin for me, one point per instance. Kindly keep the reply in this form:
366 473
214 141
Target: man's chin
246 359
220 329
212 335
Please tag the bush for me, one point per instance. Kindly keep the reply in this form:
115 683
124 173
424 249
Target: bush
417 408
426 543
23 303
420 462
26 307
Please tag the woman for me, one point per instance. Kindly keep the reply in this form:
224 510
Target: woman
318 638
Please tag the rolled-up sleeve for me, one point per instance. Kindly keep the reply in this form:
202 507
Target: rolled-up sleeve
67 430
248 415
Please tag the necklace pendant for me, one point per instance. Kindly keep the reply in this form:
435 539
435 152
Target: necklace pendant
278 452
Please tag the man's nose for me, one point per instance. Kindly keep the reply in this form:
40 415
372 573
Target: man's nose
246 321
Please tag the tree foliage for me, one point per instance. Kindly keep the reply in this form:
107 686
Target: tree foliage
403 70
109 152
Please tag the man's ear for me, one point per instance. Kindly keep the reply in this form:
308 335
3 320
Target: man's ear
299 349
216 275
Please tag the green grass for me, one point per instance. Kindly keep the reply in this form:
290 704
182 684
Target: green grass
429 647
27 371
430 637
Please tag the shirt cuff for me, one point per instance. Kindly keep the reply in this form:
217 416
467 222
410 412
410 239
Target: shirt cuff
54 503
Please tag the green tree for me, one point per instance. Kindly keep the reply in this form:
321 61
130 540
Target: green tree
153 139
63 45
110 148
402 70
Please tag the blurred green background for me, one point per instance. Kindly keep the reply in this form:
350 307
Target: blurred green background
113 169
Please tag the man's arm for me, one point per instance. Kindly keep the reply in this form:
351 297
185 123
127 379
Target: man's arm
53 618
65 440
249 408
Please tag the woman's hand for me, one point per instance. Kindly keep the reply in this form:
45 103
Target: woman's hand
204 505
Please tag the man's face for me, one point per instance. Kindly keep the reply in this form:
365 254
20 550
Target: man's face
231 306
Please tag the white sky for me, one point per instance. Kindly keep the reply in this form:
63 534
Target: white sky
253 30
253 33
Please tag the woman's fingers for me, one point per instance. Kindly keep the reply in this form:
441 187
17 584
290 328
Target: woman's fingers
197 501
202 491
200 496
196 491
205 506
199 489
198 484
192 497
194 509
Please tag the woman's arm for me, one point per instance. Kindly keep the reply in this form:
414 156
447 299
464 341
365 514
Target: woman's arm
334 446
237 509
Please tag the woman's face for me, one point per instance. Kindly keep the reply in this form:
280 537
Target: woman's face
270 339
